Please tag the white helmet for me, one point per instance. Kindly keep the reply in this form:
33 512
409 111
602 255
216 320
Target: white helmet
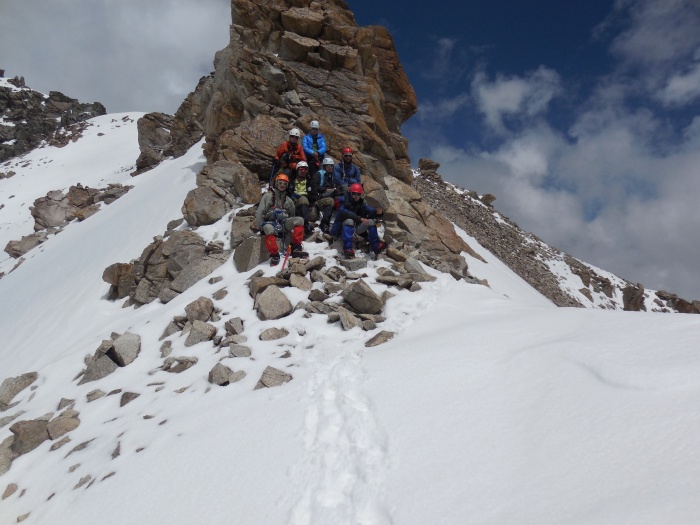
302 164
314 124
294 132
327 161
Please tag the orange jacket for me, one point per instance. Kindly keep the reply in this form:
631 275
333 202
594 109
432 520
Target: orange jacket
296 153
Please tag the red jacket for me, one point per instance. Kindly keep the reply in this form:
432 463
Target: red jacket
296 153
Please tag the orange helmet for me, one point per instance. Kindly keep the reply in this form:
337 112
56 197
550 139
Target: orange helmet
355 188
347 151
282 176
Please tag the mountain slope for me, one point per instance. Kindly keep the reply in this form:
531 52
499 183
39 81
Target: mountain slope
490 405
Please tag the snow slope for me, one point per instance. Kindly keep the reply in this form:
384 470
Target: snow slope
489 406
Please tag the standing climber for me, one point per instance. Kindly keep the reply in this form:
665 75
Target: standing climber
275 216
324 192
356 217
345 172
301 193
314 146
288 155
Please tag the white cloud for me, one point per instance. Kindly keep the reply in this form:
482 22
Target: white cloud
130 55
682 88
520 97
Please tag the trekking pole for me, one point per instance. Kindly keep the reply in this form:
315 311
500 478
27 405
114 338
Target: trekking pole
286 256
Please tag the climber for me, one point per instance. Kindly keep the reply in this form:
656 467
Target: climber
345 172
288 154
275 216
323 193
314 146
301 194
356 217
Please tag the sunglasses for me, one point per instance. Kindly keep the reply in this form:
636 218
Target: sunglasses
354 193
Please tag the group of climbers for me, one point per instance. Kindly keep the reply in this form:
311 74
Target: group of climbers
304 176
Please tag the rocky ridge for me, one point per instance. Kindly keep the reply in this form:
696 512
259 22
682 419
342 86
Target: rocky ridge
285 66
27 118
533 259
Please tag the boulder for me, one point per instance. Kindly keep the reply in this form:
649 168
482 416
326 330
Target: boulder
241 229
362 298
222 375
380 338
126 348
28 435
6 454
272 334
199 310
204 206
236 350
234 326
272 304
200 332
272 377
63 424
250 253
12 386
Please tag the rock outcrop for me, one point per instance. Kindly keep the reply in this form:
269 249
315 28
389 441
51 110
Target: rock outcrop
528 256
31 117
286 65
53 212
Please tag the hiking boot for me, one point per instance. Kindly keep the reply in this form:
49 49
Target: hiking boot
274 259
382 246
349 254
298 251
325 228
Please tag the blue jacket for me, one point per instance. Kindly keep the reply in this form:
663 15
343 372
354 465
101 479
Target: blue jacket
346 174
308 144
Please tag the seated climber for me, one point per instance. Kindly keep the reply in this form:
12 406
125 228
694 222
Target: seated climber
288 154
345 172
301 194
356 217
314 146
276 216
323 193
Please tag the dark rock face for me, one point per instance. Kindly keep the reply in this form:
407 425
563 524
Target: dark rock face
154 140
37 117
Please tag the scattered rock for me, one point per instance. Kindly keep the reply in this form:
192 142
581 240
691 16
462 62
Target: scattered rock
272 304
272 377
12 386
62 425
200 332
222 375
127 397
272 334
380 338
236 350
199 310
28 435
362 298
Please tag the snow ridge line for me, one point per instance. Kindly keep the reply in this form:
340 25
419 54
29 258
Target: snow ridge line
343 471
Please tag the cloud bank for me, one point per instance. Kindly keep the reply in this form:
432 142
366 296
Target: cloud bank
130 55
619 186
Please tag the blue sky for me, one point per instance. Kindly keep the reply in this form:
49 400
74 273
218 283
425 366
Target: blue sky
580 117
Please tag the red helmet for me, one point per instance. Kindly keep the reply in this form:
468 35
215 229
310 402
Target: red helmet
347 151
355 188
